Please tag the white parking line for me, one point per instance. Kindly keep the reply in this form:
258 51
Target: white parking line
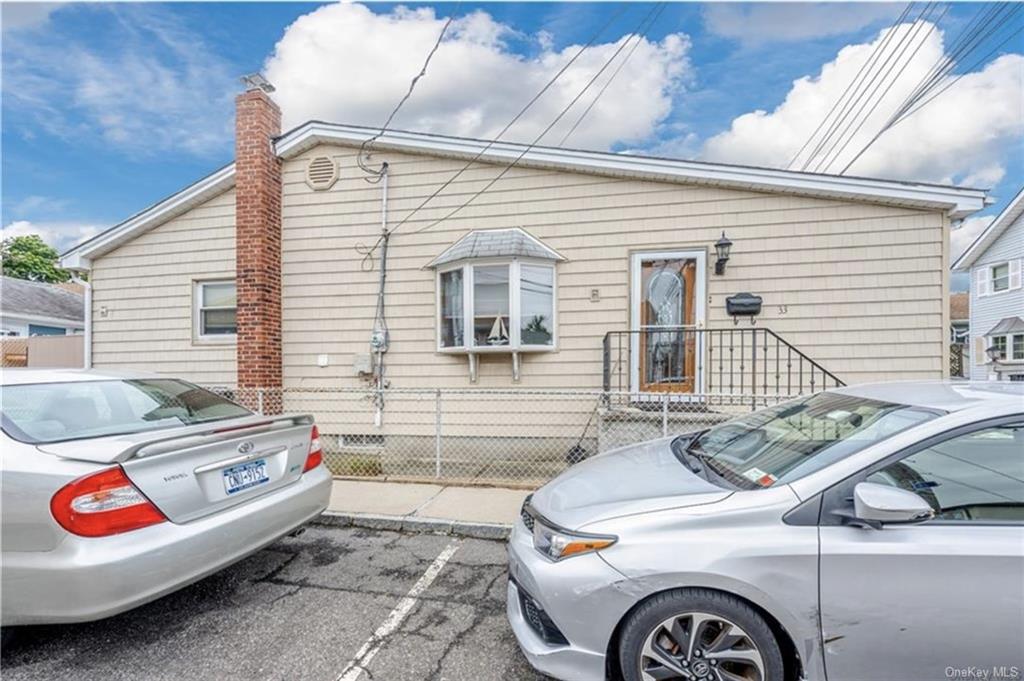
369 650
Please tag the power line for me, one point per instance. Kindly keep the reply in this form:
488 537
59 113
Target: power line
846 137
542 134
856 78
515 118
639 39
378 174
926 96
869 81
367 251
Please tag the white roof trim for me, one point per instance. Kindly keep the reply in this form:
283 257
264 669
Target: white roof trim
995 229
80 257
958 202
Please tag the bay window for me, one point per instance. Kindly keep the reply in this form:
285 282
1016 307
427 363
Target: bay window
496 305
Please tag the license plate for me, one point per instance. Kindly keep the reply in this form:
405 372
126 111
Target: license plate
245 476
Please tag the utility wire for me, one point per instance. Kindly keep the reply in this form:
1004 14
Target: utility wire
926 97
956 49
515 118
375 175
546 130
846 137
859 96
639 39
857 77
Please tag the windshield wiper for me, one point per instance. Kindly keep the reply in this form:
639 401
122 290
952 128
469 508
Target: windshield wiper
701 463
682 447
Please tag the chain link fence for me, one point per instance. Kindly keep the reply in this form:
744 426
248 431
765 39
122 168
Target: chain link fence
496 437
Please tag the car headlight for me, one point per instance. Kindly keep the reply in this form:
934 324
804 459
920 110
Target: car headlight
557 543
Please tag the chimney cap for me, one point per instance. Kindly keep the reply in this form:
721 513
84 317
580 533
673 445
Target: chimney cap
257 81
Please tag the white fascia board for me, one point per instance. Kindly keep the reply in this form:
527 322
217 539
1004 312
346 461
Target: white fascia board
957 202
994 230
80 257
42 320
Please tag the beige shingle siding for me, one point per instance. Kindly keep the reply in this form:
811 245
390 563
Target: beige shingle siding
864 285
146 286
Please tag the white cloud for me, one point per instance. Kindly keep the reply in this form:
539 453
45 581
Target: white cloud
19 16
786 22
60 235
964 236
153 87
964 136
344 63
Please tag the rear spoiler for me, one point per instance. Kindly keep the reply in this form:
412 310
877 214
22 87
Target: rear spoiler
120 448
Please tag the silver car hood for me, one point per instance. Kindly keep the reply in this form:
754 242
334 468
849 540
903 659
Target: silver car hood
636 479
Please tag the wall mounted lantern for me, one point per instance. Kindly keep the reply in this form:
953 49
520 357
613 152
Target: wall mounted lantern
994 353
722 248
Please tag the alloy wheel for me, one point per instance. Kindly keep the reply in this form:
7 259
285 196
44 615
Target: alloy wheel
698 646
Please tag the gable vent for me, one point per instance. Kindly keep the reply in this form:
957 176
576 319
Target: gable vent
321 173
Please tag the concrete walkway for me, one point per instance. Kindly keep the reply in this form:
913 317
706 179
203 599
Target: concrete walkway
406 505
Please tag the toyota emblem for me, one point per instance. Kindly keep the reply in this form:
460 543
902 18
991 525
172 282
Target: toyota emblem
246 447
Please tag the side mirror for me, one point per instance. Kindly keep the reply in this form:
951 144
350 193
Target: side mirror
881 504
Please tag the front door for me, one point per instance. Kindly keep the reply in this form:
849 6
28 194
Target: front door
934 600
667 310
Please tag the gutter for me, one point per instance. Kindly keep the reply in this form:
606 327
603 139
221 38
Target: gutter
87 342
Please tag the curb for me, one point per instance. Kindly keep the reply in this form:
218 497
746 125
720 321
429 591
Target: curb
416 525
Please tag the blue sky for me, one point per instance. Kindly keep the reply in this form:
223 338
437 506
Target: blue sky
110 107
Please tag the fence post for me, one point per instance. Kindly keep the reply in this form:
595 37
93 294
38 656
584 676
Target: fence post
437 434
664 415
259 401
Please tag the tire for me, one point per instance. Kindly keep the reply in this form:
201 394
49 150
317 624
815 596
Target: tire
6 636
732 639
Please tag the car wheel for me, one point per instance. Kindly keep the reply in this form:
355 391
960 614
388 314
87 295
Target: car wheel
698 635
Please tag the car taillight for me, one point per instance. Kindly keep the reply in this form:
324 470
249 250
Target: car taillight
102 504
316 454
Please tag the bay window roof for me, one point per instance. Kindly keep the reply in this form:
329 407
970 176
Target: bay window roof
496 243
1007 325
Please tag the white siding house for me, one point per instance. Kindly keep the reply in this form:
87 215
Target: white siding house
995 261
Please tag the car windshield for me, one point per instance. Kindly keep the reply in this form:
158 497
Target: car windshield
55 412
786 442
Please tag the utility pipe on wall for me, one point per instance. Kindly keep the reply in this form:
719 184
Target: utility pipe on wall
379 339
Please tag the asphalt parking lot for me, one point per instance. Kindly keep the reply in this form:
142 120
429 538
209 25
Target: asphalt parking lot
337 604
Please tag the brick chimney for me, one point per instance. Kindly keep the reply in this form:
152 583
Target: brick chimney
258 238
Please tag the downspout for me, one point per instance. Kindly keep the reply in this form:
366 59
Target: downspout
87 341
379 339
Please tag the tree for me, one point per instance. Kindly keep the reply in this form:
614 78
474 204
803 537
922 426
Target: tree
29 257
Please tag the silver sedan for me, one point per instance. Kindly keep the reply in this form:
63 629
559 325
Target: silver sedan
119 489
874 532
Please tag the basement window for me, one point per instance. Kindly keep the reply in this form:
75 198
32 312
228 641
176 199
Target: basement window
215 310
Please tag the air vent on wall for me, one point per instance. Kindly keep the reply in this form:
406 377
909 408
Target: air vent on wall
321 173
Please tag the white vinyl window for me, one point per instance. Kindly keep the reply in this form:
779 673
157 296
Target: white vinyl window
215 304
496 305
998 278
1001 277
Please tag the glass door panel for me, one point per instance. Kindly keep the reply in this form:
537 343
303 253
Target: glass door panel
667 340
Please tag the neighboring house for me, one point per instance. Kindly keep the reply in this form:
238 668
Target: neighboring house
959 333
997 296
959 318
576 270
31 308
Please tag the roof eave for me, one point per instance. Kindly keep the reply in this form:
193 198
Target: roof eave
1013 210
957 202
80 257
